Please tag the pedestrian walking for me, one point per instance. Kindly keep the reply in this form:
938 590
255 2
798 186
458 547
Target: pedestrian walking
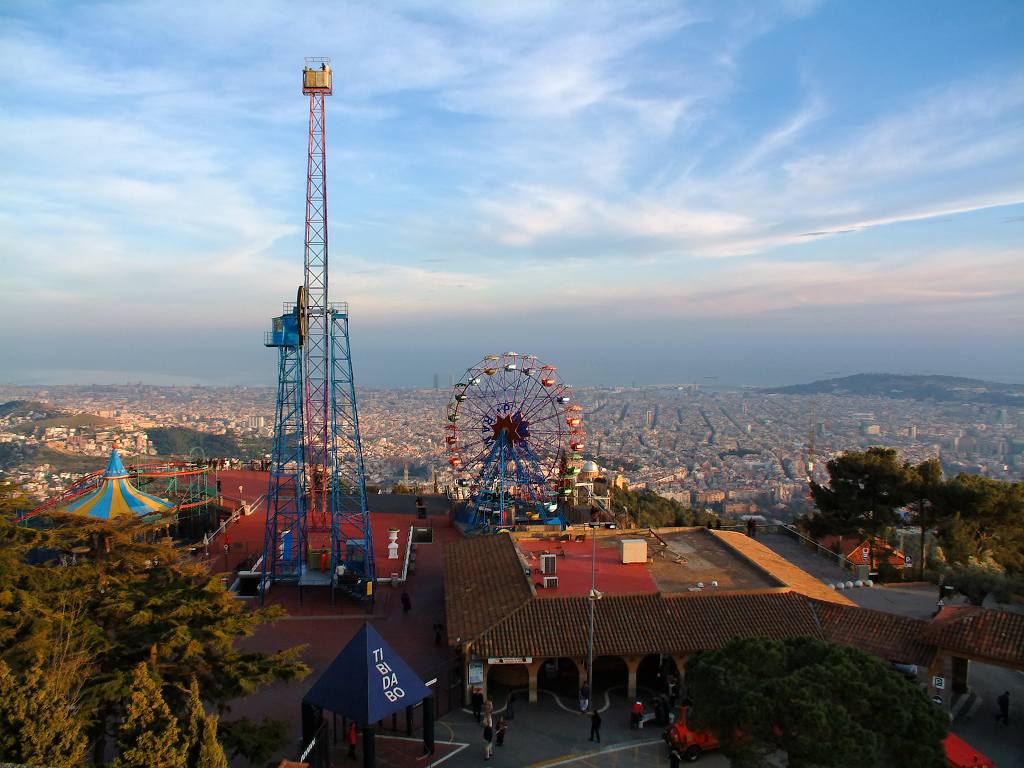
674 760
1004 707
510 708
488 738
584 698
488 709
477 700
499 731
406 602
352 738
595 726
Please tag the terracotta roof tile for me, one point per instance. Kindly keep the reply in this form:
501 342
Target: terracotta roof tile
483 582
892 637
706 620
642 624
975 631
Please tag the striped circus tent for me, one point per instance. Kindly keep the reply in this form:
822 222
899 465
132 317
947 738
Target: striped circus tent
117 497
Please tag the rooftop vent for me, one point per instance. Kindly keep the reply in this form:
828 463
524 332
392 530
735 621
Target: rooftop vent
550 582
547 564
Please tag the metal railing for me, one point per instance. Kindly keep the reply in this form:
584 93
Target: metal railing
788 530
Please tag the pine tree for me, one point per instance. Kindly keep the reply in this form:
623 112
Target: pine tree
211 753
149 736
136 601
196 721
38 725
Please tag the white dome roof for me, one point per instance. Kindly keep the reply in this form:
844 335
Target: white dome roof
590 466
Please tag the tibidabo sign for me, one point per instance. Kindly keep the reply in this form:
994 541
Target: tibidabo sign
388 677
510 660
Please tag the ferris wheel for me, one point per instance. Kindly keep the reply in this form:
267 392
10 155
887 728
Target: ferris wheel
514 440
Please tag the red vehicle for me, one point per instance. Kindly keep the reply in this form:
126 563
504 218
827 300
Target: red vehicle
692 743
688 742
960 754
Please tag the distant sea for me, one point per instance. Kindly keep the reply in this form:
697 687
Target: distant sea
58 376
707 379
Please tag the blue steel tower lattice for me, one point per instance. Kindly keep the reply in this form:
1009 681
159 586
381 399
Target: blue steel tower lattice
284 540
321 511
351 534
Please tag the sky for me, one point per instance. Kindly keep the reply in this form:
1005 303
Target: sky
746 193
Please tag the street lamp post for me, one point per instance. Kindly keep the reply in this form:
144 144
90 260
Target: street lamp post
593 597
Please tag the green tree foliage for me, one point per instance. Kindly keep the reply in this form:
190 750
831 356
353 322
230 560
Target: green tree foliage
178 441
196 721
865 491
37 721
983 517
651 510
149 734
211 753
823 704
256 742
924 488
139 602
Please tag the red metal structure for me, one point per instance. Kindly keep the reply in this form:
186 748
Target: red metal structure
316 83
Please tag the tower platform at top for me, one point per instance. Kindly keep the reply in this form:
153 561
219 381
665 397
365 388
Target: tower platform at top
316 75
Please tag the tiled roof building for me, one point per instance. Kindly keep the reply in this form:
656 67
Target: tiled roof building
498 615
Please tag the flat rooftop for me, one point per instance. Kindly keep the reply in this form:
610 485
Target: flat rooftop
678 560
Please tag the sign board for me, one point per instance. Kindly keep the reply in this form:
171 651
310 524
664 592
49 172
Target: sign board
476 672
938 682
510 660
866 554
936 699
908 561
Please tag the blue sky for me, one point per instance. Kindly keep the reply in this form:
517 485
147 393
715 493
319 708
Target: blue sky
635 191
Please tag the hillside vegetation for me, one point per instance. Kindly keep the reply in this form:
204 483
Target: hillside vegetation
178 441
936 388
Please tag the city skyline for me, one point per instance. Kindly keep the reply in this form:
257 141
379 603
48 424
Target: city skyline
658 193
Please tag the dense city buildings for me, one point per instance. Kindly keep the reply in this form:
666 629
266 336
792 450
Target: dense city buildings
734 451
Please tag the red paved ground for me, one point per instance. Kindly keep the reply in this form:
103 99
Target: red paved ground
573 570
325 629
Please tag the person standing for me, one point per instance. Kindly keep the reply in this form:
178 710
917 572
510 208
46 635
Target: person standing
636 715
477 700
674 760
488 738
595 726
499 731
406 602
584 698
510 709
352 738
1004 707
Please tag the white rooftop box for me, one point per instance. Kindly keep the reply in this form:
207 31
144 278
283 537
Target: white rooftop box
633 550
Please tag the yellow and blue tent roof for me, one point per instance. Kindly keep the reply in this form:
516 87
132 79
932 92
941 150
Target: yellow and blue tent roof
116 497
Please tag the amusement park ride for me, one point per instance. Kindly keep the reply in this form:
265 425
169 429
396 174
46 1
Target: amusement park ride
514 440
318 528
185 484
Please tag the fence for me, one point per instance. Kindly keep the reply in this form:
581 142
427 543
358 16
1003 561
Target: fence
841 560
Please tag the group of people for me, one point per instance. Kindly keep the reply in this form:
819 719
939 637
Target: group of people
494 730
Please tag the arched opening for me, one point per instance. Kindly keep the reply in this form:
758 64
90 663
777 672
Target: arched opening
503 679
655 673
560 676
609 672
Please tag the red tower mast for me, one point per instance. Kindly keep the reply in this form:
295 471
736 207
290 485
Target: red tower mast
316 83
